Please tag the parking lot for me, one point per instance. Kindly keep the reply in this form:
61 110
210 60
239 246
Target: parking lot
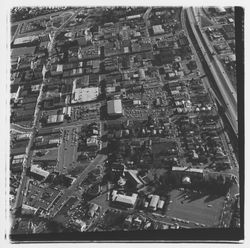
67 153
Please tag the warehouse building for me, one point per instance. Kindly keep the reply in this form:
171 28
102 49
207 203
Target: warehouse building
84 94
52 119
158 29
25 40
37 170
115 107
187 170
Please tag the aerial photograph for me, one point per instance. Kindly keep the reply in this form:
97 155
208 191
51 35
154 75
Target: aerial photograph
123 121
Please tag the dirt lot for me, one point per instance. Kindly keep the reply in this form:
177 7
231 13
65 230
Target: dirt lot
197 208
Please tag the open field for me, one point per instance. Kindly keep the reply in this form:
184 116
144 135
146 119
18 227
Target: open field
199 208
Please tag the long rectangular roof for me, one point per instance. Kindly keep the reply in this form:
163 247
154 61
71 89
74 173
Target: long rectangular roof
175 168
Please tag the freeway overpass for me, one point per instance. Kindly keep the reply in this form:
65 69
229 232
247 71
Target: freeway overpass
220 77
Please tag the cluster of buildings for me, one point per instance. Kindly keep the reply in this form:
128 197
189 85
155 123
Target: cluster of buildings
127 89
83 217
221 35
140 222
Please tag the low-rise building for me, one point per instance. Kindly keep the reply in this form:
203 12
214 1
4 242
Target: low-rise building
160 204
157 29
36 169
115 107
153 202
124 200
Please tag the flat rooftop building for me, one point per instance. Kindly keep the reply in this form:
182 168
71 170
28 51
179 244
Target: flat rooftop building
186 169
124 200
39 171
115 107
85 94
25 40
22 51
158 29
154 201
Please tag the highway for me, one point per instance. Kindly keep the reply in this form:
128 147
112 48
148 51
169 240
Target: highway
224 85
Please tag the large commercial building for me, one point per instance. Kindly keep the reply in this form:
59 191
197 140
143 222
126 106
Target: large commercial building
115 107
158 29
36 169
124 200
55 119
85 94
25 40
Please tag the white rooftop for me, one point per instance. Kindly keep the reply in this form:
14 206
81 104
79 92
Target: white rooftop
38 170
115 106
175 168
85 94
